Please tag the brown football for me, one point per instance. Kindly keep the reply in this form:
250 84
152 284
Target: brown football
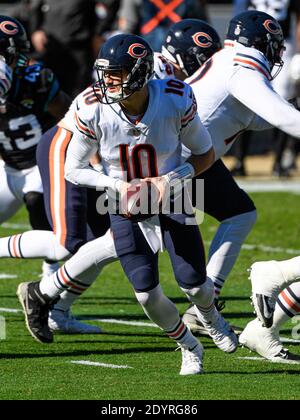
140 201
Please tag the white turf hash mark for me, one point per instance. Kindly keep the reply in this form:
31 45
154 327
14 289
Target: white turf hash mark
15 226
10 310
262 359
7 276
106 365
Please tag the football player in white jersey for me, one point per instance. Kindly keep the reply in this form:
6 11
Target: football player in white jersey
188 45
138 127
287 13
233 91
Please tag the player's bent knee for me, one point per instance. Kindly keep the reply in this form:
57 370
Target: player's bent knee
150 297
143 279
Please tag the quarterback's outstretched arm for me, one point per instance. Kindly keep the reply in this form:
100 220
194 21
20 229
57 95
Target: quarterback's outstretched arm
254 91
77 167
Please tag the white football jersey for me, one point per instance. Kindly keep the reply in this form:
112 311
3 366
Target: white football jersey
163 69
234 94
150 147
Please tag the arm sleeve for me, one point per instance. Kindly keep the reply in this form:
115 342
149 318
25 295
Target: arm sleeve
78 170
193 133
254 91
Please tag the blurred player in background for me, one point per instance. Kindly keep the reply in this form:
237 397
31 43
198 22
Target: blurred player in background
30 102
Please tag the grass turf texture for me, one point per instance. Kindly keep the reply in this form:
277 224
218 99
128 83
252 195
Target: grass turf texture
30 370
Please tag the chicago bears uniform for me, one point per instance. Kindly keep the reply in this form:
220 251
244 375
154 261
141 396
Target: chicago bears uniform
283 11
162 67
107 128
148 147
189 44
228 105
226 109
71 210
231 107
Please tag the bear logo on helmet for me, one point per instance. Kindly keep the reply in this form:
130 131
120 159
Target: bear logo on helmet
6 26
137 50
202 39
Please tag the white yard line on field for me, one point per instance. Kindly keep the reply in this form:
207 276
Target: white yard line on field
120 321
267 248
270 186
106 365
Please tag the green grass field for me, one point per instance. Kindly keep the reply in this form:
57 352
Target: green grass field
29 370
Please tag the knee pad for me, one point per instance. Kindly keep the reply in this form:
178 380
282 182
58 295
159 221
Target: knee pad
34 202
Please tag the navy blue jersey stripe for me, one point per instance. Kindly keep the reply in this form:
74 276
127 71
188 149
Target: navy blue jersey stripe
19 246
74 281
175 329
85 134
285 310
9 241
293 295
62 285
187 123
254 59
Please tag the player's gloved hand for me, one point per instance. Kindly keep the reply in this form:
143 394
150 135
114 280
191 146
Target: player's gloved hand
5 78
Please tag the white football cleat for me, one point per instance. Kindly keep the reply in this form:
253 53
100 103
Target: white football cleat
191 360
265 342
219 330
65 322
267 281
191 320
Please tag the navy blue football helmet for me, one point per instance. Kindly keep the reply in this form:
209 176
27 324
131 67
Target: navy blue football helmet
189 43
119 54
13 38
261 31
